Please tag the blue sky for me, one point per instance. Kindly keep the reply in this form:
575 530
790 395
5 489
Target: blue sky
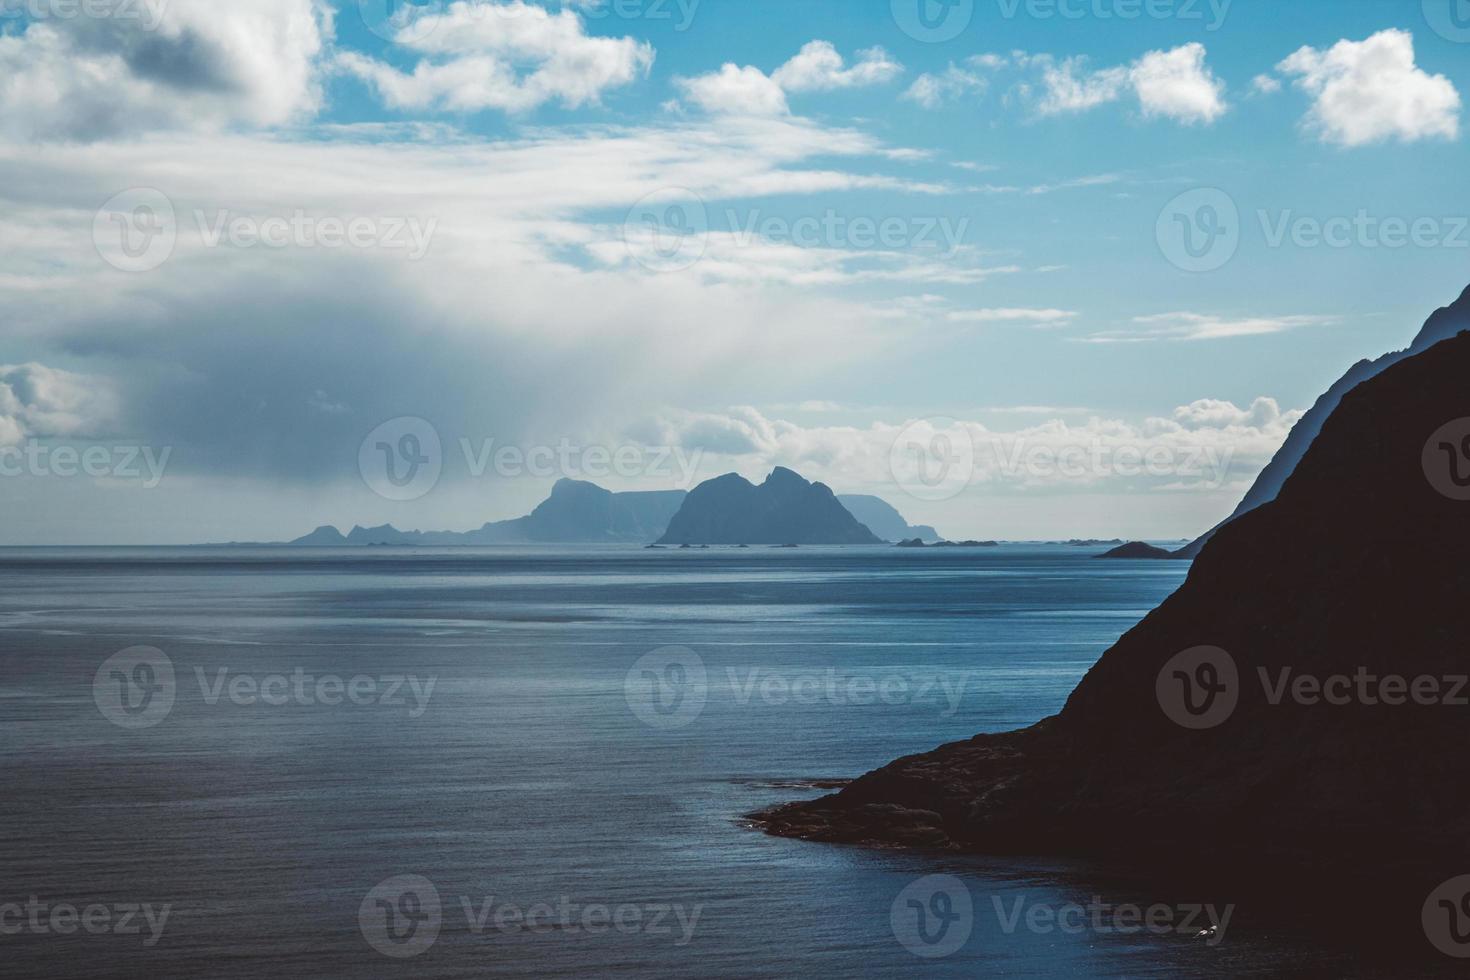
1033 168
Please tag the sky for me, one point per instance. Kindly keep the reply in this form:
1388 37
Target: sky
1024 268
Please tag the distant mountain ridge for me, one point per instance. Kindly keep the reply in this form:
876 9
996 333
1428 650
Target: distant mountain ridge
575 513
785 509
884 520
1444 323
584 513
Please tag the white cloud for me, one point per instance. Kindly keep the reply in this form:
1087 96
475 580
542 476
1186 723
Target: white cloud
819 68
1201 326
748 91
527 278
933 91
1372 90
1265 85
173 64
1178 85
512 57
37 401
1175 84
1035 317
737 91
1071 88
1205 445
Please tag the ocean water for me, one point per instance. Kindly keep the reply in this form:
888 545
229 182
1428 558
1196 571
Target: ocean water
535 763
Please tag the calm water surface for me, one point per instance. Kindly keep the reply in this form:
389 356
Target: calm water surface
552 770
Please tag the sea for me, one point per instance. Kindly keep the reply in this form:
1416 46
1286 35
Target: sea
539 762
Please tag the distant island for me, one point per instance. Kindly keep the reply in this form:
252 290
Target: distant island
1141 549
575 513
920 543
578 512
785 509
880 517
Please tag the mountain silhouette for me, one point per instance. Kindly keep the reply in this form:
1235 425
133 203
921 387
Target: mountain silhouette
884 520
1356 569
785 509
575 513
1443 323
